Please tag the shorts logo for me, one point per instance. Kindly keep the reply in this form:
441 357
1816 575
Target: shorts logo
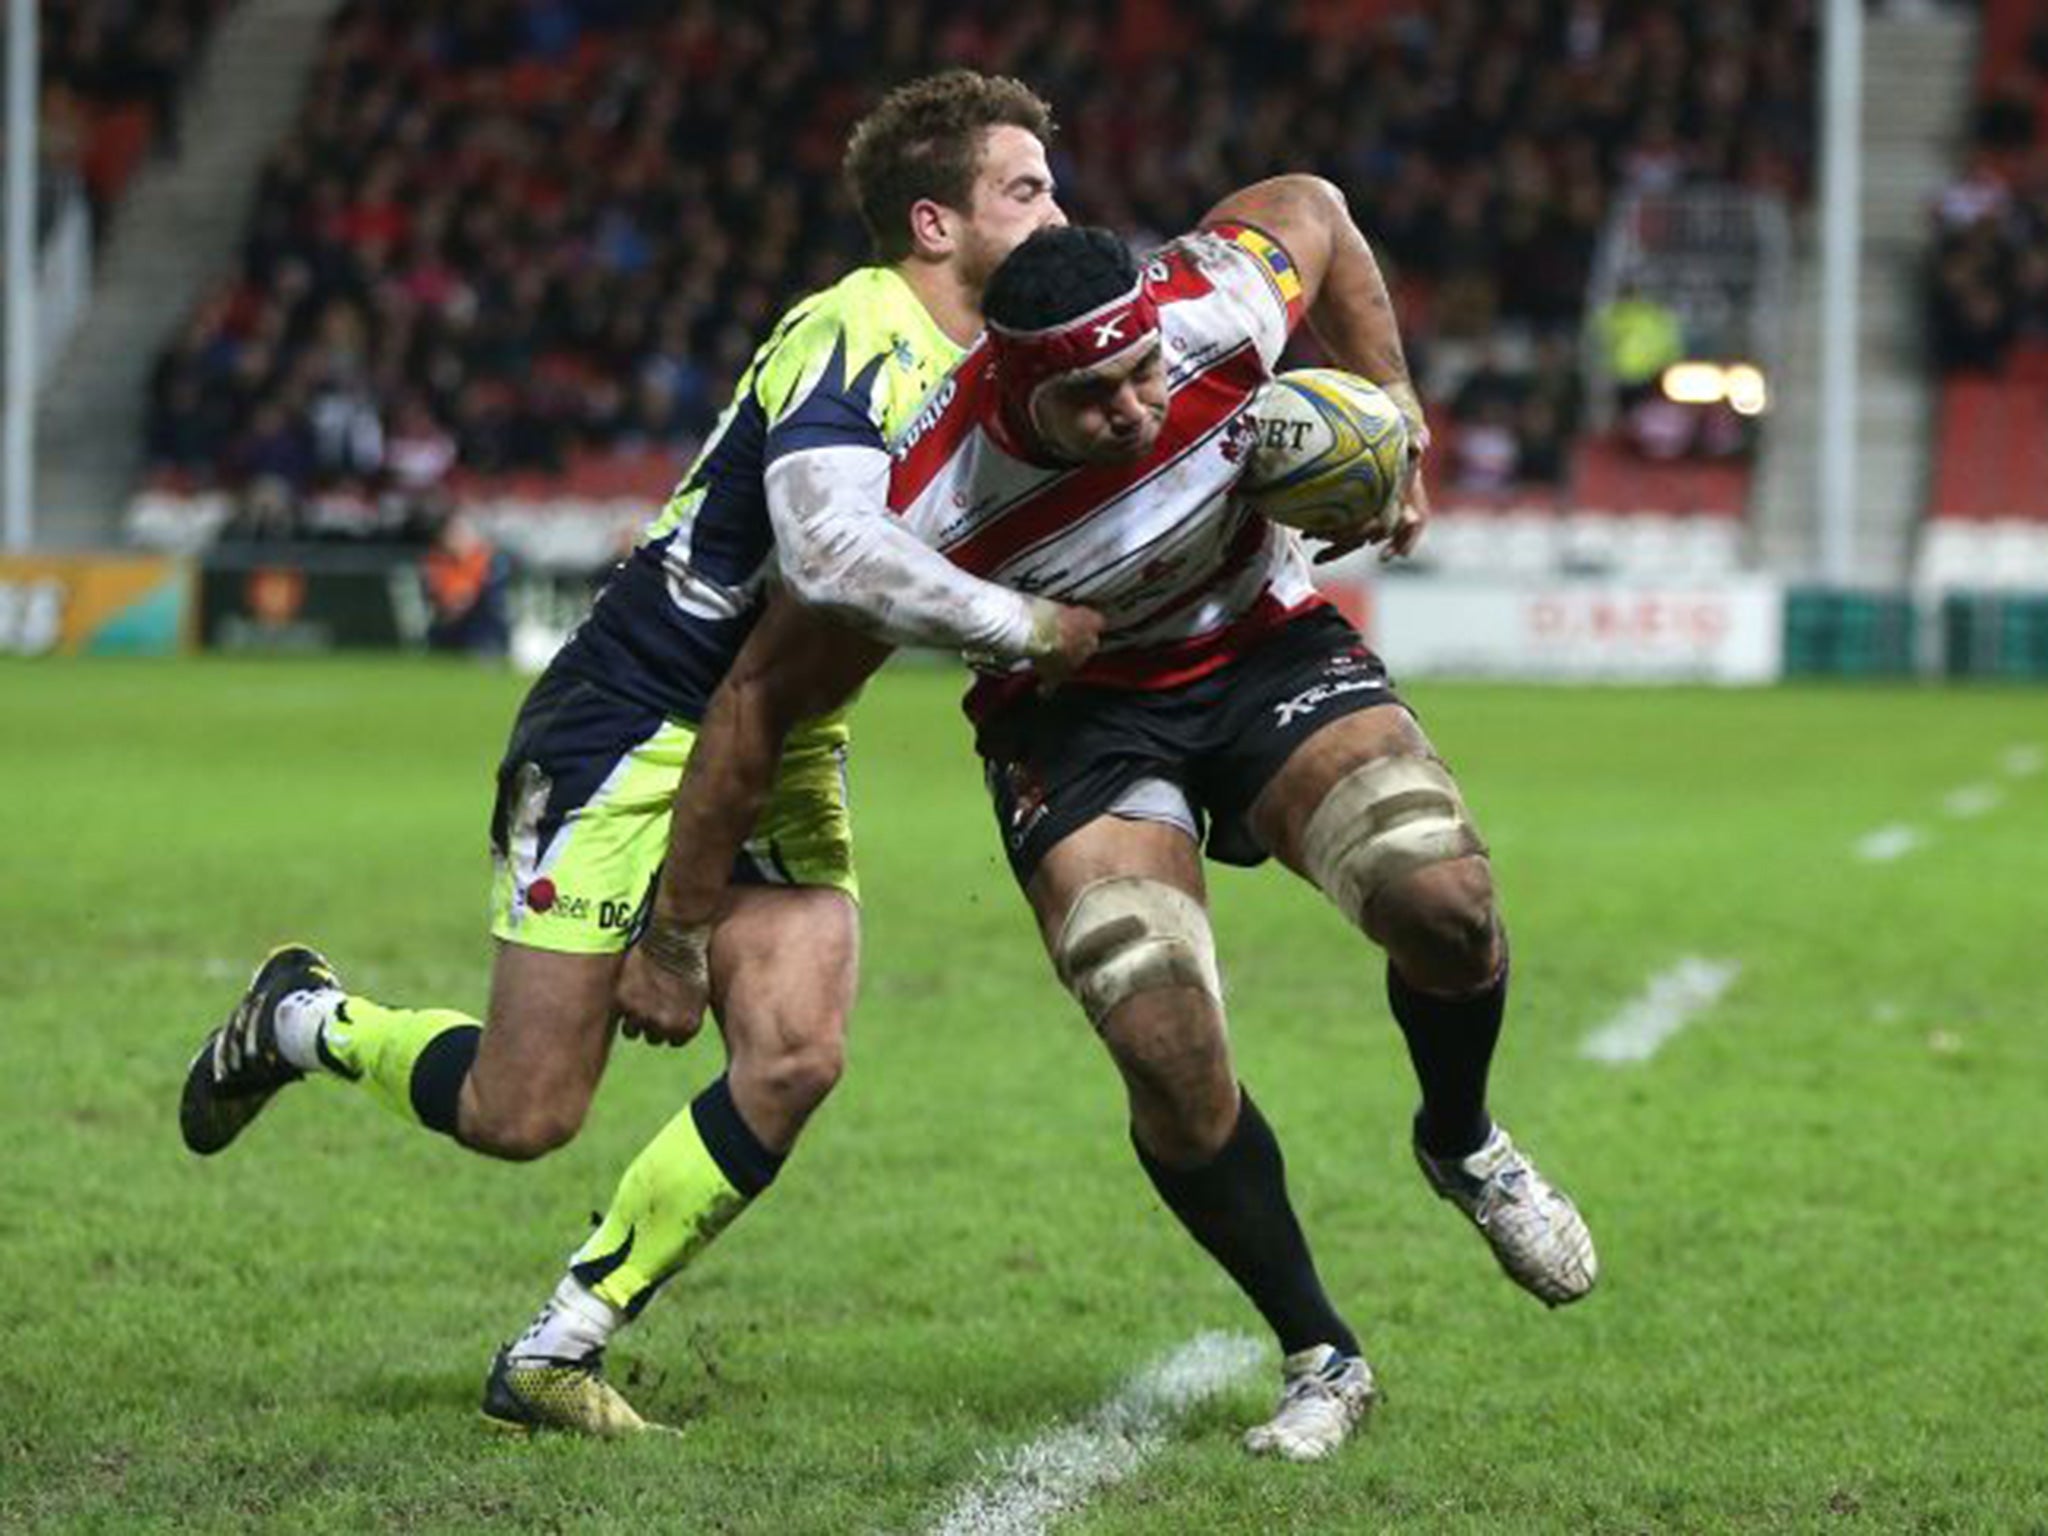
1309 700
542 896
615 914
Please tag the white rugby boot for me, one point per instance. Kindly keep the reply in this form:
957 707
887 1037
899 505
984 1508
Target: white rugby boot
1531 1225
1323 1397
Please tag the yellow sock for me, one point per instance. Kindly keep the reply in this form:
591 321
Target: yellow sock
412 1060
686 1186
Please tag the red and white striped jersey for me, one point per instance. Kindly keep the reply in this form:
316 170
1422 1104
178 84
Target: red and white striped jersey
1184 573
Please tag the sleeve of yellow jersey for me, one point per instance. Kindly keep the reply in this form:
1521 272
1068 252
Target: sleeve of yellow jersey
814 394
826 474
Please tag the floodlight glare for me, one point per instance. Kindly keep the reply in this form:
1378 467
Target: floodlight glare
1694 383
1748 395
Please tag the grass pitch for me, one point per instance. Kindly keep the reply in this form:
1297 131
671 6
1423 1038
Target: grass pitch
1819 1207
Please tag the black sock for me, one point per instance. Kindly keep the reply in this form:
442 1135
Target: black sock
747 1162
1236 1207
1450 1041
438 1074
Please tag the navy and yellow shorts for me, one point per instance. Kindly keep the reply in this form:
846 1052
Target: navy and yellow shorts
581 822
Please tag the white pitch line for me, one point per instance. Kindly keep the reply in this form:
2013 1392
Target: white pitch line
1888 843
1034 1484
1971 800
1673 999
2023 762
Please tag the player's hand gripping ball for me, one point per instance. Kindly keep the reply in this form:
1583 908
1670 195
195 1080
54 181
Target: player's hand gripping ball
1331 455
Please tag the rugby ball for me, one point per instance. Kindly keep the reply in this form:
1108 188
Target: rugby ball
1329 455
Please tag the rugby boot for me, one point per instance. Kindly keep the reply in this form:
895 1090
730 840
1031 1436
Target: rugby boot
567 1395
1323 1397
1533 1228
238 1068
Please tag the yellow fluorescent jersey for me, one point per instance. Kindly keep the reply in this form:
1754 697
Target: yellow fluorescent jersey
847 368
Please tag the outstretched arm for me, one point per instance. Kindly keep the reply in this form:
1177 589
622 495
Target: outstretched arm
797 664
1347 303
840 551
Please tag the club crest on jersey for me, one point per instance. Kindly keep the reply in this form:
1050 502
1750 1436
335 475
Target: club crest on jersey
1240 437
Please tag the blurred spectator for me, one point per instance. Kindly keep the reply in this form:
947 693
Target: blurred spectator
1543 449
421 451
268 514
1640 337
467 581
1486 452
1987 294
1664 429
113 74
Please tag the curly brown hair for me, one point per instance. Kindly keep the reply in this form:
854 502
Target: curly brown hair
923 140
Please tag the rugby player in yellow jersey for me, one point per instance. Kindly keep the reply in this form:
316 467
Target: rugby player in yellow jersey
949 173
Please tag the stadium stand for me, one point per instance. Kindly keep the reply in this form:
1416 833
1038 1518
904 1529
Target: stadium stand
517 256
1988 326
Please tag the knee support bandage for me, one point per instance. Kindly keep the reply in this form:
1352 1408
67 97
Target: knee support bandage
1385 819
1129 934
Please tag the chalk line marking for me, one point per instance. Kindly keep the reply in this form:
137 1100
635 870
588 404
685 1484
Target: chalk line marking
1029 1487
2023 762
1889 842
1968 800
1673 998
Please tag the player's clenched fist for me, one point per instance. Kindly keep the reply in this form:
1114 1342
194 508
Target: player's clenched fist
1064 637
1415 511
665 984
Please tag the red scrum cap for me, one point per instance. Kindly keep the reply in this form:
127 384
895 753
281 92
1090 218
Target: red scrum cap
1027 359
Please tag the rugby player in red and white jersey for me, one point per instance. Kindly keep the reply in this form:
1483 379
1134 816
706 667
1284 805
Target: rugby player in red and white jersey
1087 450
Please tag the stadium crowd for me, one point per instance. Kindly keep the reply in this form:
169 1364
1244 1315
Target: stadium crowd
1989 291
113 77
515 238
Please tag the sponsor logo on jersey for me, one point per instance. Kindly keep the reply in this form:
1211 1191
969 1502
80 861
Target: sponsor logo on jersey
926 419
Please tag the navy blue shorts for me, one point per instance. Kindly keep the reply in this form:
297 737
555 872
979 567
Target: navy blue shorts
1055 764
